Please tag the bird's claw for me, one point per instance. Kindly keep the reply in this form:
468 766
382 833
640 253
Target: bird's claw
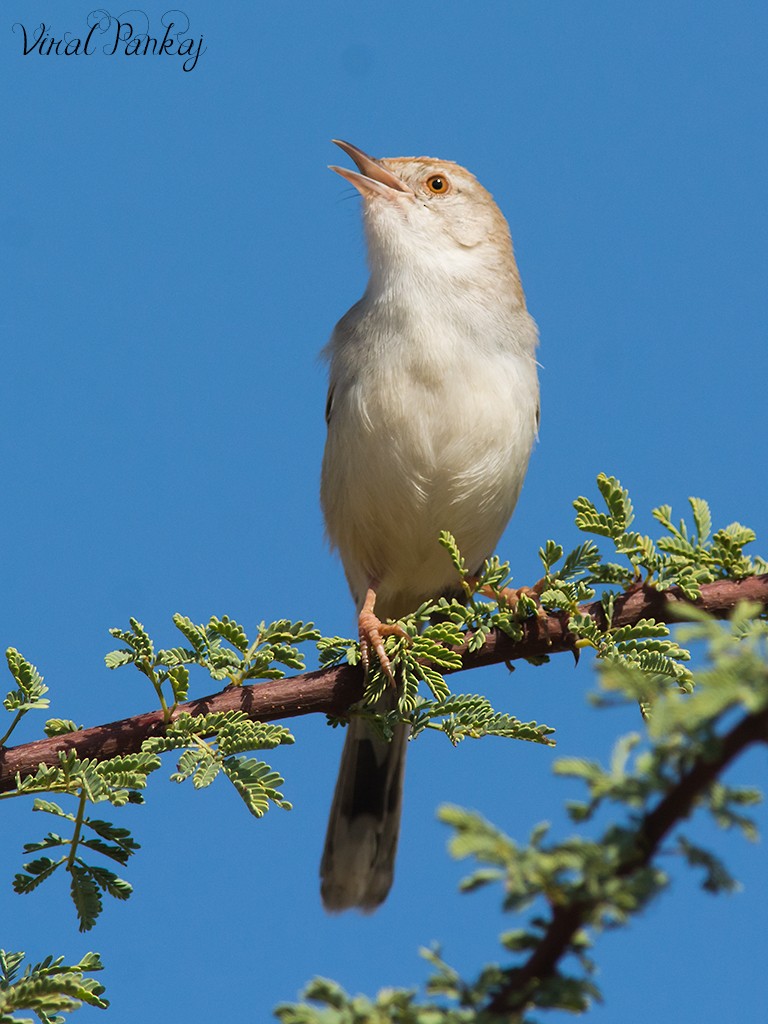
372 632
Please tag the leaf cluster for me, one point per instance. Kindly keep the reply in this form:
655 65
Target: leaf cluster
48 988
573 888
214 743
685 556
221 646
599 882
29 692
88 881
333 1005
435 632
209 744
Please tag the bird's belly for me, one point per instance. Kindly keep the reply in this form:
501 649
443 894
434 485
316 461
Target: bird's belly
421 453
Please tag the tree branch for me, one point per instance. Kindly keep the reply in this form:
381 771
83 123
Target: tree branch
568 918
333 691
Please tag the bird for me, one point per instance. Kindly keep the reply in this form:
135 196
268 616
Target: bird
432 413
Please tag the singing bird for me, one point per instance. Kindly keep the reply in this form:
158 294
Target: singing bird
433 408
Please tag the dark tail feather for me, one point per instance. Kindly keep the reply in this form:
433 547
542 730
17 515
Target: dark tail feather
359 856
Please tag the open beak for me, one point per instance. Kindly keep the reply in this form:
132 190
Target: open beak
373 179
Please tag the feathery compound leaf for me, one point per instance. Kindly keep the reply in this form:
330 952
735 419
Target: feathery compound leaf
194 634
49 842
233 732
106 850
85 895
641 628
617 500
717 878
206 772
179 680
189 762
590 520
100 837
237 734
49 807
119 836
37 872
463 715
727 549
114 659
433 679
448 541
444 633
620 514
565 596
702 518
126 772
112 780
28 696
663 515
108 881
60 727
494 574
335 649
550 555
256 783
29 680
9 967
391 1006
48 988
141 641
230 631
174 656
221 647
479 636
582 559
285 631
432 650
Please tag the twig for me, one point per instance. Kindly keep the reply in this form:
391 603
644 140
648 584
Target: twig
333 691
568 918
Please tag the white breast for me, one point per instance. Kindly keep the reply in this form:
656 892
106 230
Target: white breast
431 429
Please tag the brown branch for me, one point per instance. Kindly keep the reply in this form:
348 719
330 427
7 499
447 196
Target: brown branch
568 918
333 691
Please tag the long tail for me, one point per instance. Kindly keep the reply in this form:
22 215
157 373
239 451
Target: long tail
359 857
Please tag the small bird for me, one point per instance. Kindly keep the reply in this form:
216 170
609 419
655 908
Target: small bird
433 408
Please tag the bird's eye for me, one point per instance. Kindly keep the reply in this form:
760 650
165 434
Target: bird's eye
438 184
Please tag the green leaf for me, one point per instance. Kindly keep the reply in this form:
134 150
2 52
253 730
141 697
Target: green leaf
448 541
230 631
206 772
85 896
701 519
195 635
60 727
114 659
29 680
38 871
550 555
582 559
256 783
179 680
717 878
47 988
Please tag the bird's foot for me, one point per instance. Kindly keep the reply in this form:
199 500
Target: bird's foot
372 632
511 595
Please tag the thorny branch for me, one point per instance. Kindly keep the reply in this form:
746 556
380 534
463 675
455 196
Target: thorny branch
333 691
567 918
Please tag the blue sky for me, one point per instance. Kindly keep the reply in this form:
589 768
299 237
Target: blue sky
174 256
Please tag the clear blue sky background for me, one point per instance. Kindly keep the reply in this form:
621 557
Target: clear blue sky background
174 256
